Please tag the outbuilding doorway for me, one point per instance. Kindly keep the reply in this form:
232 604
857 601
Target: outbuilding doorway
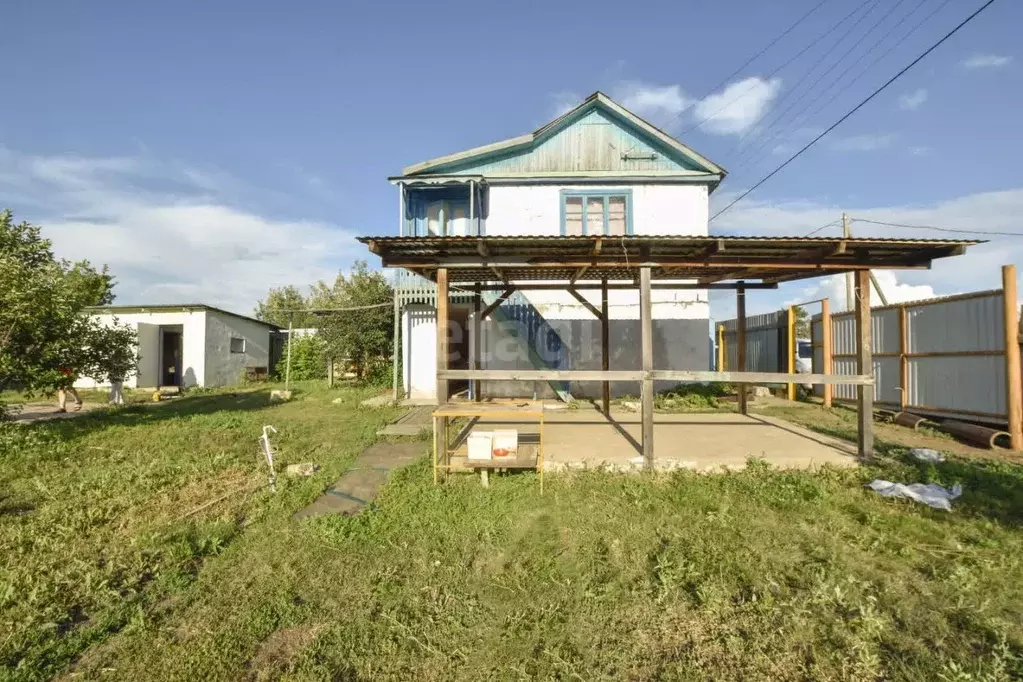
170 356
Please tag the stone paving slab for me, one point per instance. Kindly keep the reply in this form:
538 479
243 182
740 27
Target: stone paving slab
360 483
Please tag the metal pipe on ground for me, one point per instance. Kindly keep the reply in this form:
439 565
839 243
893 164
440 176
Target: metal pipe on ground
979 435
909 420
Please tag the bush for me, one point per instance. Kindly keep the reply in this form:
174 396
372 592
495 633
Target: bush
309 359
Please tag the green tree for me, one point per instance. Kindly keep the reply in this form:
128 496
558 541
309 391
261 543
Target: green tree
113 352
42 330
279 301
308 358
802 323
363 333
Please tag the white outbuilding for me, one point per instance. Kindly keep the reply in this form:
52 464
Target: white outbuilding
192 344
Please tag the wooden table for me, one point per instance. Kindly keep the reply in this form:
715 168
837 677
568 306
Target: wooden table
519 410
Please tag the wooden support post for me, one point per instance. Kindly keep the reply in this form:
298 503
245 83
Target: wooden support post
790 335
826 348
864 365
287 366
330 373
605 348
1014 390
442 333
477 337
721 348
740 341
647 343
903 359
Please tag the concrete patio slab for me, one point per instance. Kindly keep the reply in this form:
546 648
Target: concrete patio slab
586 439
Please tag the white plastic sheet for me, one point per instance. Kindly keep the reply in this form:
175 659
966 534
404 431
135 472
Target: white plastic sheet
927 455
931 494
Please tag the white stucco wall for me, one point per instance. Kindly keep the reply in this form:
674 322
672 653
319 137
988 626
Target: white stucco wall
224 368
681 317
419 351
656 210
193 352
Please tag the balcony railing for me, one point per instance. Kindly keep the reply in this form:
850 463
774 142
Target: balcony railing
413 288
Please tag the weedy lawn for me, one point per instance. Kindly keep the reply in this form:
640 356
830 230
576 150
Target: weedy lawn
755 575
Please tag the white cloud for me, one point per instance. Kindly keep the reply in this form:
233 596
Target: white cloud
657 103
862 143
169 235
986 61
920 150
732 111
978 270
563 102
738 107
912 100
834 288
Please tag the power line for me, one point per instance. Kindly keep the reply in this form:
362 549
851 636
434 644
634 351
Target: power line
778 115
756 56
859 106
938 229
756 156
833 223
770 75
778 119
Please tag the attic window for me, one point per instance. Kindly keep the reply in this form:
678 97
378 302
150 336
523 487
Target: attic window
596 213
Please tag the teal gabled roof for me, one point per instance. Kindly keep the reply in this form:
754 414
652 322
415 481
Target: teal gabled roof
599 138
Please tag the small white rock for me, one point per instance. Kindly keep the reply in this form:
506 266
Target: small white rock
303 469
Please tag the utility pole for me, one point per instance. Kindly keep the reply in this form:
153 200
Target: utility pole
847 233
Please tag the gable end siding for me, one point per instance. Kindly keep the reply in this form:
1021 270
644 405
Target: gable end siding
595 142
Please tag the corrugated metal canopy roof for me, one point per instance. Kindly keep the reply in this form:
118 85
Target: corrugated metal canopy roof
706 259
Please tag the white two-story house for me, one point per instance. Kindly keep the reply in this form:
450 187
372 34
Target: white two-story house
597 170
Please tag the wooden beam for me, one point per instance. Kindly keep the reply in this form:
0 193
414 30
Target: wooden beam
477 337
586 304
826 348
442 335
459 262
864 365
617 286
679 375
500 299
647 356
582 270
721 349
498 274
1014 389
482 249
740 343
605 349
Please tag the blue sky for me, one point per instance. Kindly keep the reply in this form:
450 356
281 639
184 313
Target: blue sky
210 150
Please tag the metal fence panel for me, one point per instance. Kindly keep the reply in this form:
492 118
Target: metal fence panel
884 330
764 335
973 384
971 324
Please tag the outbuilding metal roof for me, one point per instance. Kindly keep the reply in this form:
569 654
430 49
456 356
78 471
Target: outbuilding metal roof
670 257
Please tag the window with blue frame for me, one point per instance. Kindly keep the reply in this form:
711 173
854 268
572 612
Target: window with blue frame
604 212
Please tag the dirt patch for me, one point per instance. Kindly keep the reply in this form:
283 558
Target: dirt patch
280 648
841 419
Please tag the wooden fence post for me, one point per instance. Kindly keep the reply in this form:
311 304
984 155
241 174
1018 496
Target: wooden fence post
721 348
864 365
903 359
826 348
740 341
1013 380
790 333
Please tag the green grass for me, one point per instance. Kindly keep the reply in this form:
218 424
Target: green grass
756 575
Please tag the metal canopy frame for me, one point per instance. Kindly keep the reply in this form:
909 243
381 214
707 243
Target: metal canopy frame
573 263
